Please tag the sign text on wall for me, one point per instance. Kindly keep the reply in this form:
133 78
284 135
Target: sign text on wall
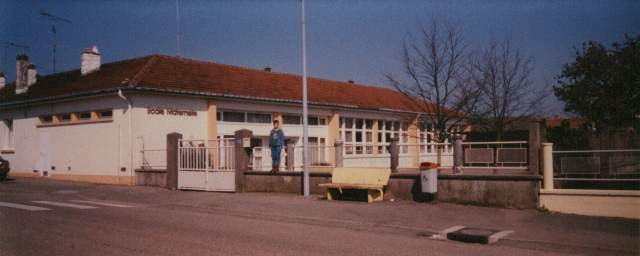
171 112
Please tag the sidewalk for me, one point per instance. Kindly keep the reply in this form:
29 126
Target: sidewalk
533 229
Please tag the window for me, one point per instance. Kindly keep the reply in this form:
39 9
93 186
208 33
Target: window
105 114
291 119
258 118
6 134
312 120
218 116
229 116
47 119
64 118
84 116
358 135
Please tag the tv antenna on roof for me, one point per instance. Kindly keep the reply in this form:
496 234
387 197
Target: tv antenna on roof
178 21
8 44
54 19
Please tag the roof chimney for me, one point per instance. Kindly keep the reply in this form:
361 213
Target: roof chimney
3 80
31 75
267 68
90 60
22 64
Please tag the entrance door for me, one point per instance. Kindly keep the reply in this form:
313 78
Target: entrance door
221 173
206 165
192 160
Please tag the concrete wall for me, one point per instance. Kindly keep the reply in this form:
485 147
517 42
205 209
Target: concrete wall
284 182
501 191
505 191
609 203
154 178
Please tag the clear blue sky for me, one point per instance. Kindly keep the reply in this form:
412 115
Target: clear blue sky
347 39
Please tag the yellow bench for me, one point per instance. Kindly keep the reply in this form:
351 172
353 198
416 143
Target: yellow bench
371 179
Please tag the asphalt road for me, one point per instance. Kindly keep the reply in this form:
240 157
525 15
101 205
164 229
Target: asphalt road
88 219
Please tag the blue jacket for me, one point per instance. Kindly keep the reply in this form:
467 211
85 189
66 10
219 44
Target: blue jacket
276 138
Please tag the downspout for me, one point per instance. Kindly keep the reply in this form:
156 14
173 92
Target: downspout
130 117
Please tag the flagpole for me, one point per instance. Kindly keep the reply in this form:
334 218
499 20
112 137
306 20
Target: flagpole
305 119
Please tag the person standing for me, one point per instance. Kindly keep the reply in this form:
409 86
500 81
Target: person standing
276 141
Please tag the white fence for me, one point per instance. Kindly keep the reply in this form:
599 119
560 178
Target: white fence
599 165
318 156
204 155
358 155
206 165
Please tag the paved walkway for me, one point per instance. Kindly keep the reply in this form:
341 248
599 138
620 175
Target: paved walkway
532 230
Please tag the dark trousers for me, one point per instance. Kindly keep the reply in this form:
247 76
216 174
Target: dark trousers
275 155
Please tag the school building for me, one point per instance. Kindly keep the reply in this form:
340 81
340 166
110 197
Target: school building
101 122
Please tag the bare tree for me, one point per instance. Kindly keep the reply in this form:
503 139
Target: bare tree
506 94
436 76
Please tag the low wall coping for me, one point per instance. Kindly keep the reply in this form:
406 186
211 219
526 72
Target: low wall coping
311 174
416 176
590 192
151 170
471 177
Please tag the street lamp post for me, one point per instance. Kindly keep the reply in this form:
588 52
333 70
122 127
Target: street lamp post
305 119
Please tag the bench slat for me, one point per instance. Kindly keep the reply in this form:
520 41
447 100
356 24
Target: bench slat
373 176
348 186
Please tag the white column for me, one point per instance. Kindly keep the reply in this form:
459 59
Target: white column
547 165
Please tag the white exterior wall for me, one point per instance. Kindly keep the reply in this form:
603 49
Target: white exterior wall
150 131
81 149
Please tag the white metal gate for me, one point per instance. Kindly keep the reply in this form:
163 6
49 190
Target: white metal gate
207 165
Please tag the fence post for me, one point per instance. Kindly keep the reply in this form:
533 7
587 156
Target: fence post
394 151
547 165
290 159
339 148
457 155
242 143
172 160
534 147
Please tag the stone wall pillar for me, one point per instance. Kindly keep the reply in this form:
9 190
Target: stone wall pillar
172 160
413 132
290 159
394 152
242 144
458 154
534 147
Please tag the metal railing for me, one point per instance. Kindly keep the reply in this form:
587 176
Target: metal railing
507 155
206 155
153 159
602 165
318 156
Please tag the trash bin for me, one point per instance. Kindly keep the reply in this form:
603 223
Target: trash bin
429 177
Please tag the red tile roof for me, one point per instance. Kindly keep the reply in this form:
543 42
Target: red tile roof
572 122
165 73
